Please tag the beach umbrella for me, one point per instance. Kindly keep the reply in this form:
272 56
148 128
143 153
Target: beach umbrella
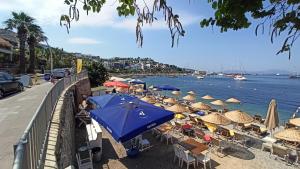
191 93
233 100
179 116
167 87
121 89
110 99
115 84
295 121
291 134
272 119
200 106
215 118
127 120
189 97
238 116
139 90
148 99
178 108
218 103
170 100
207 97
176 93
158 104
136 81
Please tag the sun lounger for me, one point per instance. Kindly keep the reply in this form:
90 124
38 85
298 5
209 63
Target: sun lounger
260 131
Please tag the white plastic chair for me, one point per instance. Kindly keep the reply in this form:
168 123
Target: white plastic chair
177 154
168 136
84 160
144 144
204 159
187 158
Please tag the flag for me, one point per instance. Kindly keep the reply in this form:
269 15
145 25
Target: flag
79 65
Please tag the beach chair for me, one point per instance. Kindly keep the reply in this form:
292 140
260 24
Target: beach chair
279 151
187 158
84 160
204 159
259 130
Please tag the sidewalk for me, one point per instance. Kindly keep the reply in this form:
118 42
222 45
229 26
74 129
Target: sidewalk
16 112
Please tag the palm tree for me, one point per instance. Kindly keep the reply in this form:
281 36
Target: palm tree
35 35
24 25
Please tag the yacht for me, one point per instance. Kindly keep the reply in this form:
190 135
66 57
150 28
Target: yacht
239 77
200 77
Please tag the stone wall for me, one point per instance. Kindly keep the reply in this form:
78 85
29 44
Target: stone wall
61 151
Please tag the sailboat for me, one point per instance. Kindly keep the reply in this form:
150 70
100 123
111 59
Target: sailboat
240 77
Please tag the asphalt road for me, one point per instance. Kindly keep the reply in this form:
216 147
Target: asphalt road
16 112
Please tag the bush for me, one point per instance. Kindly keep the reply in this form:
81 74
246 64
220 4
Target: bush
97 73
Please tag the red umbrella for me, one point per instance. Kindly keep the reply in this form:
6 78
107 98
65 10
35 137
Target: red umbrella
115 84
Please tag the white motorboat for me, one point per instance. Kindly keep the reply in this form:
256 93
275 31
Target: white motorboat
240 78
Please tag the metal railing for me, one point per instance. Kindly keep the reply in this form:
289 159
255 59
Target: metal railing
30 150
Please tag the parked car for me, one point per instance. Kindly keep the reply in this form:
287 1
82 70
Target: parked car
9 84
60 73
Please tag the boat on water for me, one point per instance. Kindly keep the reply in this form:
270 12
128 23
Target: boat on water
294 77
240 77
200 77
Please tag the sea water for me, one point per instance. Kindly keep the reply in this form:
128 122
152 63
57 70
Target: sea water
255 93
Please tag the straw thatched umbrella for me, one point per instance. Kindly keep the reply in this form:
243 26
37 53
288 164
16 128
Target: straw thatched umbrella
238 116
176 93
218 103
189 97
178 108
139 90
191 93
272 119
292 135
233 100
200 106
216 118
295 121
170 100
148 99
207 97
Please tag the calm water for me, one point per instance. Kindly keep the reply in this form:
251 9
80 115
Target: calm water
255 93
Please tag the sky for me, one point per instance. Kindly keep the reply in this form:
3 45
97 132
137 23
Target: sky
107 35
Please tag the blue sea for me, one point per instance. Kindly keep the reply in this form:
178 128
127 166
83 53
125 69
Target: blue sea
255 93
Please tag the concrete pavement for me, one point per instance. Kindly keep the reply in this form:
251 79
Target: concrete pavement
16 112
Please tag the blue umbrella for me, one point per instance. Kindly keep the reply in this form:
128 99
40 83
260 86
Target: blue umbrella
136 81
126 120
167 87
110 99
